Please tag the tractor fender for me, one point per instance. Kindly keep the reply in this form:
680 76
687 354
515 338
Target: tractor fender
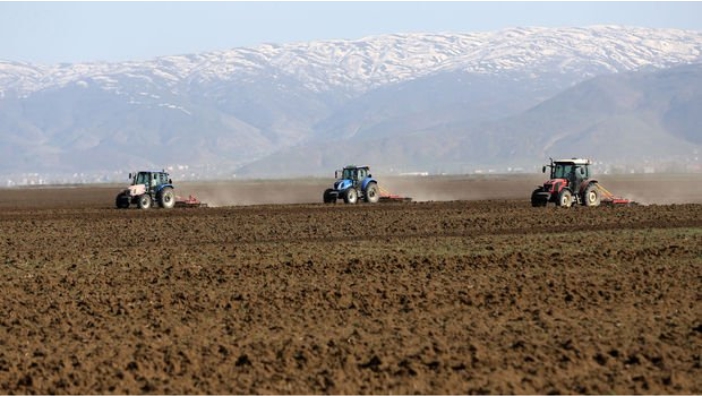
367 181
585 184
162 186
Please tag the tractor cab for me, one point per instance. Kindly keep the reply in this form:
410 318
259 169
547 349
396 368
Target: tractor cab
569 171
150 179
354 174
140 178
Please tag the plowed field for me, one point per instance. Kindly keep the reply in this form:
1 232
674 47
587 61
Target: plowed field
470 296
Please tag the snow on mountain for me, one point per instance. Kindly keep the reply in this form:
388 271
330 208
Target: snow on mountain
239 106
367 63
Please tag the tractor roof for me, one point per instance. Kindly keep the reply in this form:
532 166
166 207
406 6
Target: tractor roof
576 161
356 167
148 171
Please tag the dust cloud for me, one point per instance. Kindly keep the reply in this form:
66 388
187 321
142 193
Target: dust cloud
471 188
245 193
643 189
656 189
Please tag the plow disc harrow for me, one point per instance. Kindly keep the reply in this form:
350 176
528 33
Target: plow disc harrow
190 202
607 198
387 196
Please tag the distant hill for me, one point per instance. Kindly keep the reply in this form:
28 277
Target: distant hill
633 115
627 117
406 102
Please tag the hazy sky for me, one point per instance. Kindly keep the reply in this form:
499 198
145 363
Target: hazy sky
54 32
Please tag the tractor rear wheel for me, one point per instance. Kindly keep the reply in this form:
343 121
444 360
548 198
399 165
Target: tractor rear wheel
591 196
328 196
166 198
565 198
372 193
144 201
350 196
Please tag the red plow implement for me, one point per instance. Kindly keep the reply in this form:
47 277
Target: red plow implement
190 202
607 198
387 196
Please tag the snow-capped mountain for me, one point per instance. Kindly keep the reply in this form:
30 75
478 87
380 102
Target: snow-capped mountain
239 105
368 63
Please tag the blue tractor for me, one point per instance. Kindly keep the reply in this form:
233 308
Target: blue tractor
147 189
353 183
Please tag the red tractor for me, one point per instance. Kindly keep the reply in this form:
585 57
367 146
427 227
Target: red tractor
569 184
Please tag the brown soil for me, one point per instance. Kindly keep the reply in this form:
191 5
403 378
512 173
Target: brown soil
484 296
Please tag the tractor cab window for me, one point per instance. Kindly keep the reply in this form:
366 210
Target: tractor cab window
362 173
349 174
585 172
561 171
142 178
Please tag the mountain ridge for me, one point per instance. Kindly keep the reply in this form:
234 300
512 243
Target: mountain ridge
227 109
390 58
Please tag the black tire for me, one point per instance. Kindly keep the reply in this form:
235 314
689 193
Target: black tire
565 198
350 196
145 201
122 201
328 196
372 193
166 198
591 196
537 200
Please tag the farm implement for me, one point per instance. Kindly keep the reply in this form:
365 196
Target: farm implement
190 202
387 196
607 198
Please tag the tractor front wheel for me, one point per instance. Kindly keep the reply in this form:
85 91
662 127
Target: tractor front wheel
122 201
537 200
144 201
591 196
565 198
167 198
372 193
350 196
329 196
